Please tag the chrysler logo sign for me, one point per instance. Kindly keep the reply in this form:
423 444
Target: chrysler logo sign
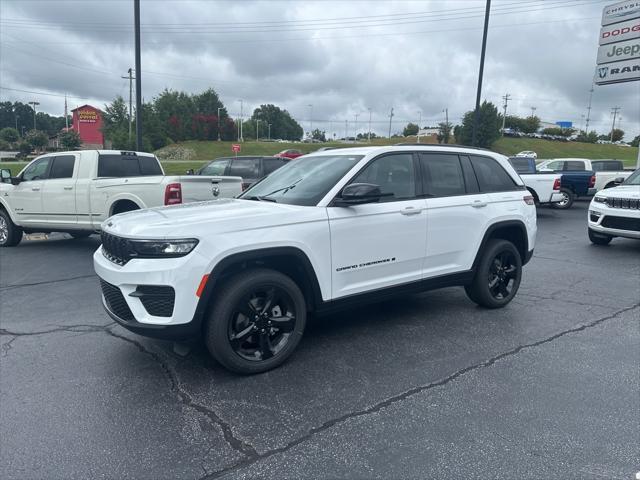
621 11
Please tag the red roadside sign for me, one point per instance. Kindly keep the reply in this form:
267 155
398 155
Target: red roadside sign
235 148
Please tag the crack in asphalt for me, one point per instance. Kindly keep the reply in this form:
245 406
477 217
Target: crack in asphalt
7 346
185 398
80 328
45 282
251 459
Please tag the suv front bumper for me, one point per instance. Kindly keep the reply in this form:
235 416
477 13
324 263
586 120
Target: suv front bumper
616 222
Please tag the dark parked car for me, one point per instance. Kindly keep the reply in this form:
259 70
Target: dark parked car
251 169
290 154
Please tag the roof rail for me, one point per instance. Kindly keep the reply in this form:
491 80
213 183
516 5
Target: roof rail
453 145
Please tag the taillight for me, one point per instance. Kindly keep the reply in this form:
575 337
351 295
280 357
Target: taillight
173 194
592 181
556 184
529 200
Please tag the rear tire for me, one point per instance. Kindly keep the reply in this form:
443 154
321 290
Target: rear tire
497 278
10 233
256 322
599 238
567 200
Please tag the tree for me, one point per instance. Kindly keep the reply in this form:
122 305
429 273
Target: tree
37 139
410 129
561 132
318 134
116 125
4 145
524 125
9 135
617 135
283 126
636 141
444 132
489 123
24 148
584 137
70 140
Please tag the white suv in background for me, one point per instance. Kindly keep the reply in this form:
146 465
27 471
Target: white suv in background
327 230
615 212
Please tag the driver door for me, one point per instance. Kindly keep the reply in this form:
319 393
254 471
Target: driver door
382 244
26 197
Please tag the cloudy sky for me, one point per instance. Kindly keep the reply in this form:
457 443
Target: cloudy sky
342 57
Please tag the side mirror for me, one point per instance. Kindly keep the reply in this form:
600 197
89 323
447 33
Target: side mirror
190 172
5 175
618 180
359 193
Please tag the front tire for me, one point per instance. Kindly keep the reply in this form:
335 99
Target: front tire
256 322
10 233
567 199
497 278
599 238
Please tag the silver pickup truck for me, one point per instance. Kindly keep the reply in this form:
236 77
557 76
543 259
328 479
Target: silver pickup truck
76 191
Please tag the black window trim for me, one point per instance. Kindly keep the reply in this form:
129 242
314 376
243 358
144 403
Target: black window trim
415 163
464 180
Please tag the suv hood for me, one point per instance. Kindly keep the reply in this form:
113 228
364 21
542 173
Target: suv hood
208 218
622 191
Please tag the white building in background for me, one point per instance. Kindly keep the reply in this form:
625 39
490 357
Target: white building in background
425 132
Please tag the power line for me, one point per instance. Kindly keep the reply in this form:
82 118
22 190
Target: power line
42 93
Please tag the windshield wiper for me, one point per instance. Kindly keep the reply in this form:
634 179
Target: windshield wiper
259 198
283 189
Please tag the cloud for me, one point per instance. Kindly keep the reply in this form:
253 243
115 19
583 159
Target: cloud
344 58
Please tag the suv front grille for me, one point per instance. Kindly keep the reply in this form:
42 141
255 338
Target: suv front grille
621 223
628 203
116 302
157 300
115 249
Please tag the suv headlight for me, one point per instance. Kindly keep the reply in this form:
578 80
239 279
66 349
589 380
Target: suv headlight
600 199
161 248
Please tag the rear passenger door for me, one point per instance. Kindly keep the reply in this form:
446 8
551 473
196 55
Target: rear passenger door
457 212
247 168
58 192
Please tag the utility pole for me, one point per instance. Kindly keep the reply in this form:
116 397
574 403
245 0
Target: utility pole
476 114
240 135
219 138
66 117
355 129
586 128
506 99
269 126
446 123
419 122
257 129
614 111
34 112
533 111
390 117
130 77
369 134
310 120
138 67
346 130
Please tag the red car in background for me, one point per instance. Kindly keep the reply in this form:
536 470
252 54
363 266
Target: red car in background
291 154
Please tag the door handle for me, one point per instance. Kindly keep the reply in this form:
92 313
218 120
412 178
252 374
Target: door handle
68 188
478 204
35 189
410 211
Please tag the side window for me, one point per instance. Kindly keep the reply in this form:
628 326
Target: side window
442 175
149 166
62 166
245 168
491 176
37 170
271 165
555 165
393 174
574 165
217 167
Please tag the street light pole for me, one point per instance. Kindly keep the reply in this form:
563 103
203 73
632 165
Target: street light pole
269 126
476 114
369 133
390 117
355 129
138 69
257 129
219 108
419 122
34 112
310 120
240 134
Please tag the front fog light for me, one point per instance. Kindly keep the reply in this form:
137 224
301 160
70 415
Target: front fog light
162 248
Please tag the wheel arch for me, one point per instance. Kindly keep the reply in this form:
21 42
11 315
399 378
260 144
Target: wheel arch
123 201
290 261
514 231
536 198
5 206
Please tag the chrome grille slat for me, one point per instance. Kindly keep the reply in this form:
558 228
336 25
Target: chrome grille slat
624 203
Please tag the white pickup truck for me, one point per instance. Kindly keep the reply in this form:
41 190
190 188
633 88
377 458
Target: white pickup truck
75 192
545 187
609 173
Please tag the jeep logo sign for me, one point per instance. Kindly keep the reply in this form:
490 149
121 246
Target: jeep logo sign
619 51
620 32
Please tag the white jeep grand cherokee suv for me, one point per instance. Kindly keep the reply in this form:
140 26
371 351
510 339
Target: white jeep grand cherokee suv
615 212
327 230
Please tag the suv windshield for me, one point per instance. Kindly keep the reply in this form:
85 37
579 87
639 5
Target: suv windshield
633 179
303 181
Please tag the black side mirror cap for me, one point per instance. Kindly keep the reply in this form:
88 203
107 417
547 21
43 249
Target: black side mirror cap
359 193
15 180
190 172
618 180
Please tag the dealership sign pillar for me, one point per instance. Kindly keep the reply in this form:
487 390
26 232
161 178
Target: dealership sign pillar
619 45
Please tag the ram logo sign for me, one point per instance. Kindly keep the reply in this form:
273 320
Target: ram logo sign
618 72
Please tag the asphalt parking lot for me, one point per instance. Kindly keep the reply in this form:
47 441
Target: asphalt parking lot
419 387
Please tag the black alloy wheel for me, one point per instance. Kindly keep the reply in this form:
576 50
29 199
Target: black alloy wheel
503 274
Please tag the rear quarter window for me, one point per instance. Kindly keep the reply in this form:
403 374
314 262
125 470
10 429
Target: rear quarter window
118 165
491 176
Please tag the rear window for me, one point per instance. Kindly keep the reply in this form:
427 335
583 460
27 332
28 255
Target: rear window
574 165
272 164
491 176
608 166
521 164
119 165
442 175
245 168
